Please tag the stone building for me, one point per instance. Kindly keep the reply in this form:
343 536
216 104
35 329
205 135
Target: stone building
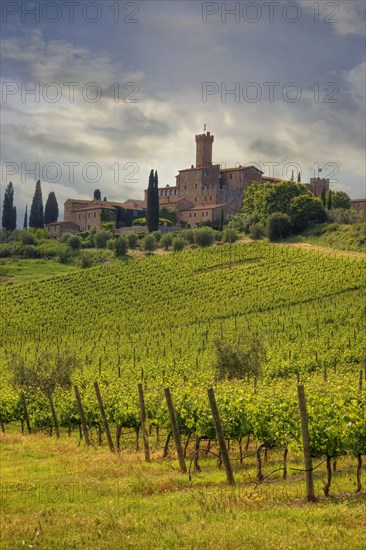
205 190
202 193
88 214
318 185
57 229
358 204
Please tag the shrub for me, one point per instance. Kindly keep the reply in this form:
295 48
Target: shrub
156 235
132 240
66 236
188 235
278 226
149 244
74 242
85 260
28 238
342 216
3 235
6 250
244 222
218 236
203 237
256 231
178 244
120 246
306 209
64 255
50 249
166 241
237 361
101 238
30 251
230 235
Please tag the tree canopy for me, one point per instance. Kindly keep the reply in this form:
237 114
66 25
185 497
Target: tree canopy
340 199
36 216
263 199
9 217
152 212
51 209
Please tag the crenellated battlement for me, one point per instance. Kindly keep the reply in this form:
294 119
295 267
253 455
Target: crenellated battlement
204 150
205 137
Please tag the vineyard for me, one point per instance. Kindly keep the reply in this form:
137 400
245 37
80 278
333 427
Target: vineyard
155 321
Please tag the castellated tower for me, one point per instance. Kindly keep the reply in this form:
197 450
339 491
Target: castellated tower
204 150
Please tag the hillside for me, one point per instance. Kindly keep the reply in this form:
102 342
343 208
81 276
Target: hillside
155 320
163 313
343 237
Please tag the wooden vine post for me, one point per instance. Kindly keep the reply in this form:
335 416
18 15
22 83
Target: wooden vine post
176 434
26 416
220 437
310 493
104 417
144 426
53 412
82 416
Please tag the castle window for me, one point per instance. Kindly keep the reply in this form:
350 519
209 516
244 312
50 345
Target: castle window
195 186
206 213
194 214
88 214
196 174
231 176
190 214
185 188
210 198
195 199
95 214
205 199
203 214
88 226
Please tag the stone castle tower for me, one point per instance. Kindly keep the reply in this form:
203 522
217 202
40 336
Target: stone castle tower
204 150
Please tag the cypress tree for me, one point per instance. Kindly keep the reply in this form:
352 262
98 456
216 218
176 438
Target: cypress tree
97 195
329 202
222 219
9 218
36 218
25 223
299 177
51 209
323 197
152 211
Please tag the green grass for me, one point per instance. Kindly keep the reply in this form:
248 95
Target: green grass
57 495
341 237
17 271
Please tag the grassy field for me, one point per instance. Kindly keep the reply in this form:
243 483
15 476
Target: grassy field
22 271
57 495
341 237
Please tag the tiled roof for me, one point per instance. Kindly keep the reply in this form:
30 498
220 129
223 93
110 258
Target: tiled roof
268 178
63 223
207 207
239 169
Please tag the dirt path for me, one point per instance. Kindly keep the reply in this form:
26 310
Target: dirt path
321 249
327 250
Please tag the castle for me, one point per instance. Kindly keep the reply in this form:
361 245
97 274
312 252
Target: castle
203 193
205 190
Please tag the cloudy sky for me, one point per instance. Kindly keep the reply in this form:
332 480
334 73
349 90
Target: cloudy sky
95 94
